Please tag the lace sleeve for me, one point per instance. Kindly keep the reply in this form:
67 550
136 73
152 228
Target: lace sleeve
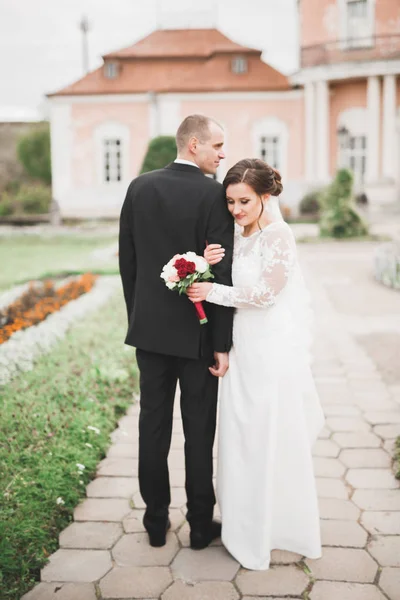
278 259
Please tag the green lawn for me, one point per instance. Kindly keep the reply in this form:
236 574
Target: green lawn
31 256
87 381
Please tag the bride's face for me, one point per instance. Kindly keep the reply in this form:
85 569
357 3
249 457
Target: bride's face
243 203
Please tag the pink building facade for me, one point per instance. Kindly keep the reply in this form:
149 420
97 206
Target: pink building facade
340 109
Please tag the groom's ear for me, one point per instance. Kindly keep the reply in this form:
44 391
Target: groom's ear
193 144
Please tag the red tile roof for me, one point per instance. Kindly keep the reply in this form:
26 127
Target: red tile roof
193 60
170 43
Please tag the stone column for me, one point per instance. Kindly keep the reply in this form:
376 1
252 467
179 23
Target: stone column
322 130
373 118
309 99
389 127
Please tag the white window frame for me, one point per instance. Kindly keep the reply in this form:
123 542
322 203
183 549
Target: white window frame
112 130
272 127
355 121
367 40
239 65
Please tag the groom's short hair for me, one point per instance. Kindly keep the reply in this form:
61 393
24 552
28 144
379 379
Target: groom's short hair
194 126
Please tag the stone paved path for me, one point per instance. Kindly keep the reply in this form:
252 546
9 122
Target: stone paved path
104 553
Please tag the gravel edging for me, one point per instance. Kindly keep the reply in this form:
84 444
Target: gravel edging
19 353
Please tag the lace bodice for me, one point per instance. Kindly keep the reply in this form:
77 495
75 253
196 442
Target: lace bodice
263 264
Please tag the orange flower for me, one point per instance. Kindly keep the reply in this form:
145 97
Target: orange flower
39 302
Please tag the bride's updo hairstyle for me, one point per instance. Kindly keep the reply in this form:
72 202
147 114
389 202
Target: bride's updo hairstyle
262 178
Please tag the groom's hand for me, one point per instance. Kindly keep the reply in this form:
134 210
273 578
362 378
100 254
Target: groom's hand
221 364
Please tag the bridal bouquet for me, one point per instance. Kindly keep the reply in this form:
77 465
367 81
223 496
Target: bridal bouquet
182 271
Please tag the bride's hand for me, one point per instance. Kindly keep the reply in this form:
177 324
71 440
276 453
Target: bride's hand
199 291
214 253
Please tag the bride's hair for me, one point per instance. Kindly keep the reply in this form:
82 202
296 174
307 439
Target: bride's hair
262 178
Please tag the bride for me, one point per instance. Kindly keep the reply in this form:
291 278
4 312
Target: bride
270 413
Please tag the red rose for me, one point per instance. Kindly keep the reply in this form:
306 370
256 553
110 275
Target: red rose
190 267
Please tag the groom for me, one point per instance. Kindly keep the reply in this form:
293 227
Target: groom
167 212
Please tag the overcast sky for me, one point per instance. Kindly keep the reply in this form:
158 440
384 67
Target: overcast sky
40 41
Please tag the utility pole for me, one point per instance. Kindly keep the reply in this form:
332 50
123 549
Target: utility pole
84 26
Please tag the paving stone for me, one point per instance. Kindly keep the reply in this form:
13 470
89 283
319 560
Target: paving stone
377 499
133 522
112 487
135 582
325 433
129 422
344 564
176 459
335 508
207 590
62 591
356 440
284 557
118 467
79 566
137 501
123 450
341 410
375 404
339 424
389 582
328 467
387 432
334 590
177 441
372 479
331 488
177 478
343 533
381 522
365 457
120 435
326 448
96 536
386 550
211 564
382 417
277 581
134 550
390 446
178 497
102 509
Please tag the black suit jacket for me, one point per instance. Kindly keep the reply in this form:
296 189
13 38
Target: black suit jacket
167 212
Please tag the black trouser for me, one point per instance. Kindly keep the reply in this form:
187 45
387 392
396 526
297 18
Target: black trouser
158 379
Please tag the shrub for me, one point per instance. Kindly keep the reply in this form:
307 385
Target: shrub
339 217
7 205
34 153
310 204
33 199
161 151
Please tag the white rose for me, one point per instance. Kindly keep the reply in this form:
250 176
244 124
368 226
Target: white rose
199 261
201 264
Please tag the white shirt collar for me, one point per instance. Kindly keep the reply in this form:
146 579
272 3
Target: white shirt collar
182 161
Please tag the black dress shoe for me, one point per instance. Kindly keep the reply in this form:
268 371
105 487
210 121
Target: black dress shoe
157 538
201 538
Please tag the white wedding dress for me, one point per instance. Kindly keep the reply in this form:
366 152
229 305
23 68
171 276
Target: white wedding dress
270 413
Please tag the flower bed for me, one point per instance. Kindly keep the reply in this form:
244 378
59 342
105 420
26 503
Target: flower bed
38 302
20 352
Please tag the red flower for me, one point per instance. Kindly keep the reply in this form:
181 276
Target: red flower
184 267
